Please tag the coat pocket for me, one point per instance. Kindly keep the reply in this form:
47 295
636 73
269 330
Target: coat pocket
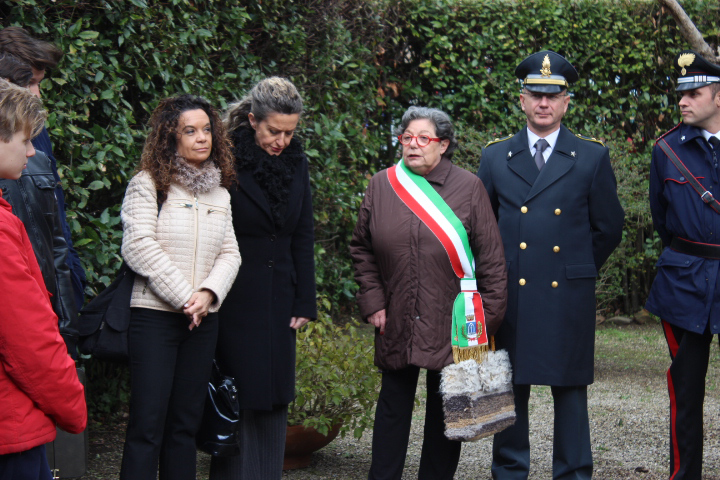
581 270
211 209
44 182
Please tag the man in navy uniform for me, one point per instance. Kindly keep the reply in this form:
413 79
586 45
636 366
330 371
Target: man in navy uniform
685 292
555 199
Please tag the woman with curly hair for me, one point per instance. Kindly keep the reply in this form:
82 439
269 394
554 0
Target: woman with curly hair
274 294
178 237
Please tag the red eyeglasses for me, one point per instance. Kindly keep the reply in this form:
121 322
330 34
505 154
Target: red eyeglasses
422 140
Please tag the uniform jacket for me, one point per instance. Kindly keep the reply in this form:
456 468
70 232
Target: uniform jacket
402 267
685 290
189 246
77 272
38 382
558 225
276 282
32 198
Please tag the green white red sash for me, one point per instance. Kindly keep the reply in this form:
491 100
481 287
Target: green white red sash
469 336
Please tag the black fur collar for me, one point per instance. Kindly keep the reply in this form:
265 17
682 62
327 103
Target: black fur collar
273 173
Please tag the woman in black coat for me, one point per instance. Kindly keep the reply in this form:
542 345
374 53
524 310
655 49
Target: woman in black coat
274 293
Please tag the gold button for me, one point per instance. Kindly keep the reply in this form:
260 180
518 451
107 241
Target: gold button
523 245
558 211
554 284
522 281
523 209
556 249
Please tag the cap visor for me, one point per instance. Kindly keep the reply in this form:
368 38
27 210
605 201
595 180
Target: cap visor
691 86
534 87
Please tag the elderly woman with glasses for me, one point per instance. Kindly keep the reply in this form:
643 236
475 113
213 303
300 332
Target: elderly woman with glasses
409 282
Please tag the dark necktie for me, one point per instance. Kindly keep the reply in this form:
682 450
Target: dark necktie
540 147
715 142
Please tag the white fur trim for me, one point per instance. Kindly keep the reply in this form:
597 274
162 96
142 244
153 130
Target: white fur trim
467 377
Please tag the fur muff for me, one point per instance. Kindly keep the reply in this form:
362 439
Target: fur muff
495 373
478 398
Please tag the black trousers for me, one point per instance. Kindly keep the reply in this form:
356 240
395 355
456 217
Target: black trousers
572 453
690 353
169 372
31 464
391 433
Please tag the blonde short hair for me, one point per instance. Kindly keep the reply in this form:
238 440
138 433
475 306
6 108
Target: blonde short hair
20 110
271 95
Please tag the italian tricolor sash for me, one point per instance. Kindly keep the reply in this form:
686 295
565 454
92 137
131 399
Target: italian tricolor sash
468 336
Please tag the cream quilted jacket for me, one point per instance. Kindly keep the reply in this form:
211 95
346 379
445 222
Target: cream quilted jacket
190 245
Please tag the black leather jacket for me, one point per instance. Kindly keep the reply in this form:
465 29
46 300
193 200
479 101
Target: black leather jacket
33 201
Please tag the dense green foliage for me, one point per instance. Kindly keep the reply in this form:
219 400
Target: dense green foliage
336 380
359 65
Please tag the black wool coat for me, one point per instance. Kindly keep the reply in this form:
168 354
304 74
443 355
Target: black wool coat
276 282
558 226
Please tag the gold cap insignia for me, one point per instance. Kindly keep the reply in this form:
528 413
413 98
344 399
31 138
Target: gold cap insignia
545 70
685 60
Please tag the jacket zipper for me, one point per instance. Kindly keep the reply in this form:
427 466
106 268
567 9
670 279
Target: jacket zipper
197 234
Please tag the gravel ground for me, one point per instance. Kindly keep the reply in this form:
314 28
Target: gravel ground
628 419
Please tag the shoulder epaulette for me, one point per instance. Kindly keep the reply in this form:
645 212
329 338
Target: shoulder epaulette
497 140
589 139
669 131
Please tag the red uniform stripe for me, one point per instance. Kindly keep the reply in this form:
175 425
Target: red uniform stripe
425 217
671 340
673 346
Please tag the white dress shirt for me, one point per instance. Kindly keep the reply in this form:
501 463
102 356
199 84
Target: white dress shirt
705 133
551 139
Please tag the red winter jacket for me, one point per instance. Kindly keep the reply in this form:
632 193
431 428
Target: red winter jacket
39 386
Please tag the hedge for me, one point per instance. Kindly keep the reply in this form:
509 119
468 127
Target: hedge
359 64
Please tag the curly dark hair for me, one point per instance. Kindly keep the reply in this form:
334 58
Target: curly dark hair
161 144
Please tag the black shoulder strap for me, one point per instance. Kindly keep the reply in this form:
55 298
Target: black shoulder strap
705 195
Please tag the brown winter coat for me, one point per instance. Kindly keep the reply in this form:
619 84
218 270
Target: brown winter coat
402 267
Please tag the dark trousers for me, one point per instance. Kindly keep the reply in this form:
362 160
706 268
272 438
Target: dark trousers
572 454
28 465
262 447
690 353
169 372
393 418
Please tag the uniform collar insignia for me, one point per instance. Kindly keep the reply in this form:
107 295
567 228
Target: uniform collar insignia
509 154
682 138
572 153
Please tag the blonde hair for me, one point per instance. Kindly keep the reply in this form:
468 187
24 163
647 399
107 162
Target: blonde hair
20 110
272 95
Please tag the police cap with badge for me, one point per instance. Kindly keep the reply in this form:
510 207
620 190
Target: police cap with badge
695 71
546 72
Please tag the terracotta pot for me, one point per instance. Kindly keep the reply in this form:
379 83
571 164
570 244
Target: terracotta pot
301 442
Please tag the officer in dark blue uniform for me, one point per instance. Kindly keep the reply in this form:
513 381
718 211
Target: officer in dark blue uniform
685 293
555 198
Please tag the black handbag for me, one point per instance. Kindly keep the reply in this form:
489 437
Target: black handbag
104 322
218 434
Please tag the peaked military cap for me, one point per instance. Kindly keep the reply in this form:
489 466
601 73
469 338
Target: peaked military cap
546 72
695 71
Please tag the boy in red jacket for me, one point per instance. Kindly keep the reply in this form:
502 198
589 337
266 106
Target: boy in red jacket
39 387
